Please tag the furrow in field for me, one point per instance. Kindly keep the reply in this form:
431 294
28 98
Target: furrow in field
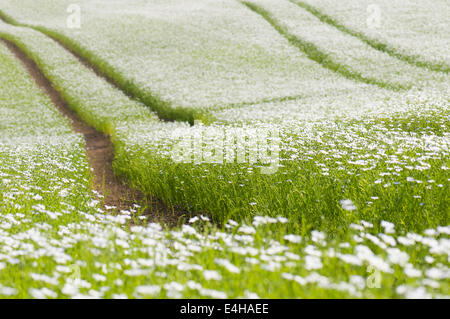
386 38
345 52
105 70
95 100
100 151
111 79
185 59
140 161
315 53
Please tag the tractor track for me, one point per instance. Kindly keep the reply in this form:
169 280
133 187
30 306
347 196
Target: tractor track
100 153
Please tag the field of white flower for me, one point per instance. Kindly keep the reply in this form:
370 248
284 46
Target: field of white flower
411 30
356 202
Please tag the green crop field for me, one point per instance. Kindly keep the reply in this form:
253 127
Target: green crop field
278 149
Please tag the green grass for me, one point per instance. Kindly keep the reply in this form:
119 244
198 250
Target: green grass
310 198
89 253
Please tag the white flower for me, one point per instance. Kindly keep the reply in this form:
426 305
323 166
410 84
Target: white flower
228 265
388 227
317 236
313 262
42 293
436 273
148 290
212 275
8 291
175 286
410 271
250 295
246 230
347 204
188 230
98 277
396 256
417 293
213 293
193 220
358 281
388 239
282 220
293 238
366 224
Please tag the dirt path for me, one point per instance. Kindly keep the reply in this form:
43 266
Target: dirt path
101 154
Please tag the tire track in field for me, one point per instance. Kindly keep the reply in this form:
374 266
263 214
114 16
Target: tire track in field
100 152
377 45
161 108
315 54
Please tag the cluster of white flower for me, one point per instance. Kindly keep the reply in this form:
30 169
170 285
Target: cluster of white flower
352 54
403 25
